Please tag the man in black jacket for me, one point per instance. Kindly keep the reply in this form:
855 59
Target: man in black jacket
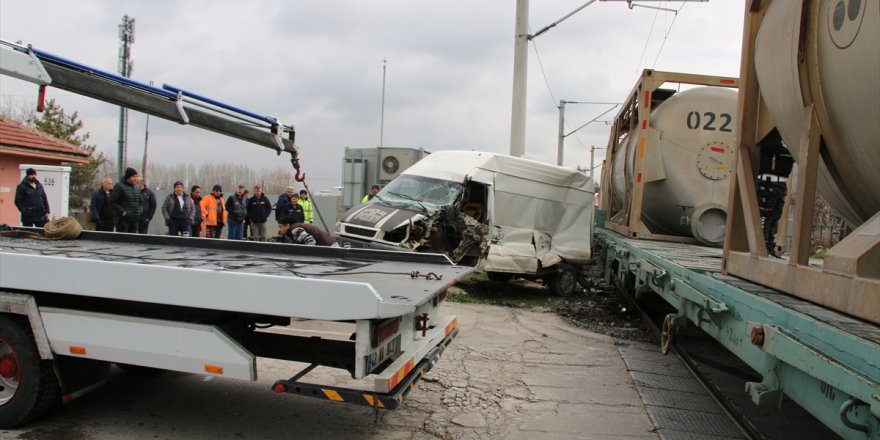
31 201
258 208
196 194
288 206
236 212
148 207
99 207
125 198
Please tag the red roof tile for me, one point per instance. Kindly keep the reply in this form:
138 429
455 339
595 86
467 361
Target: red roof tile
19 139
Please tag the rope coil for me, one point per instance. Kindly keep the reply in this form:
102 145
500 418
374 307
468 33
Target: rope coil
63 228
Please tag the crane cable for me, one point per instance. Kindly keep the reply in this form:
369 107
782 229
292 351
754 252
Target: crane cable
301 177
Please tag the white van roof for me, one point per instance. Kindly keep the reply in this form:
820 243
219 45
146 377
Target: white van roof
456 165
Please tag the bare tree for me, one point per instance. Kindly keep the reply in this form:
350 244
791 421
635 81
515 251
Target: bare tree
228 175
14 107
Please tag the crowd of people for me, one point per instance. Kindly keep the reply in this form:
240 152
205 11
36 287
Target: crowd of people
129 205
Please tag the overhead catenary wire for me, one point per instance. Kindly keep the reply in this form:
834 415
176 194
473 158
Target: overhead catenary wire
645 49
666 36
549 89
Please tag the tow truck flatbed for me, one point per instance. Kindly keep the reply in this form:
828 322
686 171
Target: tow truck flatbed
294 281
205 306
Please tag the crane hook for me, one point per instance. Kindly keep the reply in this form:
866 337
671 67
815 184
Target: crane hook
294 160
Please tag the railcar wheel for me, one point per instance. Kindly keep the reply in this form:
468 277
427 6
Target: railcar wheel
28 385
667 333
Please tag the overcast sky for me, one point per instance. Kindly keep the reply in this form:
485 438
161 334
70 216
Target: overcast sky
318 66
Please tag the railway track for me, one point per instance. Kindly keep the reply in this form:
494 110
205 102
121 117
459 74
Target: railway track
722 375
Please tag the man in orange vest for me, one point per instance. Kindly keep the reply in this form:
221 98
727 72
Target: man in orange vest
214 212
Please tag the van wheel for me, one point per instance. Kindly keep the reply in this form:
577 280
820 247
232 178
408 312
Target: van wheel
564 283
499 277
28 385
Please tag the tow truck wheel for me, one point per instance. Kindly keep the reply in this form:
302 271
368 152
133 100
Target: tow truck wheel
564 283
28 385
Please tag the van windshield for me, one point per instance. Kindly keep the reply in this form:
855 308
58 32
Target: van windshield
419 190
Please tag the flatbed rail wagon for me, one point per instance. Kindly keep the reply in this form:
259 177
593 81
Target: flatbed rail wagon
826 361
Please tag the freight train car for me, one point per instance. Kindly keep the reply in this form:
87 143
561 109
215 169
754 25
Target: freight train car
819 346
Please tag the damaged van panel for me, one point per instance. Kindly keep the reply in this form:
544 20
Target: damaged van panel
501 213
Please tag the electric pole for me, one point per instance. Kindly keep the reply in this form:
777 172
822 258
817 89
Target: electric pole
382 122
146 144
126 39
520 74
561 138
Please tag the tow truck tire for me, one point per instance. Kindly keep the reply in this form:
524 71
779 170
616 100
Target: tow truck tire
28 385
564 283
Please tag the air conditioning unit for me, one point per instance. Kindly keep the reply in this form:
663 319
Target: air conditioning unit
392 161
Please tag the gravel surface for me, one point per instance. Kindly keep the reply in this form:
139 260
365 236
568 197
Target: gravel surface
598 309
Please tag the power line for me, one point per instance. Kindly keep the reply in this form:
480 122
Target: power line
543 73
645 49
668 31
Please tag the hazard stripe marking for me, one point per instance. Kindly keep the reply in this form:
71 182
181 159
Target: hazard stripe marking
401 373
644 124
451 326
332 395
373 402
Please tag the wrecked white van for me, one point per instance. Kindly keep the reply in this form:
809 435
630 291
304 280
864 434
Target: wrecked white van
505 215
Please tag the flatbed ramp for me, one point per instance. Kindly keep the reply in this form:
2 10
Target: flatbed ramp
828 362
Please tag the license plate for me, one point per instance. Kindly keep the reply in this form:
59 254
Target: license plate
383 353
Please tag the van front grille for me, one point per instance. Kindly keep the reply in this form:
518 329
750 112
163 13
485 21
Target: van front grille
363 232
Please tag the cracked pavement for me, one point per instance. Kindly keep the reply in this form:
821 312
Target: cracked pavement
511 374
519 374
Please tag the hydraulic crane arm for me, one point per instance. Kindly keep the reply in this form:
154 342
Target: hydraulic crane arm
168 102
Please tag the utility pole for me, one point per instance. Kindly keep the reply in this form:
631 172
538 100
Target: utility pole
562 135
520 73
561 140
146 143
592 156
382 122
126 39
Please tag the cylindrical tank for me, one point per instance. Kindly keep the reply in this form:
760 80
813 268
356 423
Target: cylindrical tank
687 165
841 76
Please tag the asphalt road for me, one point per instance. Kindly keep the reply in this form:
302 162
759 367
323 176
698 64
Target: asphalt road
511 373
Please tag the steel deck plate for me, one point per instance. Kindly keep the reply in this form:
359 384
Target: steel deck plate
708 260
305 273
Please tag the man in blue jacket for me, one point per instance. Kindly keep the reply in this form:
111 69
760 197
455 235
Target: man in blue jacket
31 201
258 208
288 206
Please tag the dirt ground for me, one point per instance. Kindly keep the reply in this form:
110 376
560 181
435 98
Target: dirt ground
599 309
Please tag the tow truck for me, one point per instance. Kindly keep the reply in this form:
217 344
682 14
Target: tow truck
70 309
